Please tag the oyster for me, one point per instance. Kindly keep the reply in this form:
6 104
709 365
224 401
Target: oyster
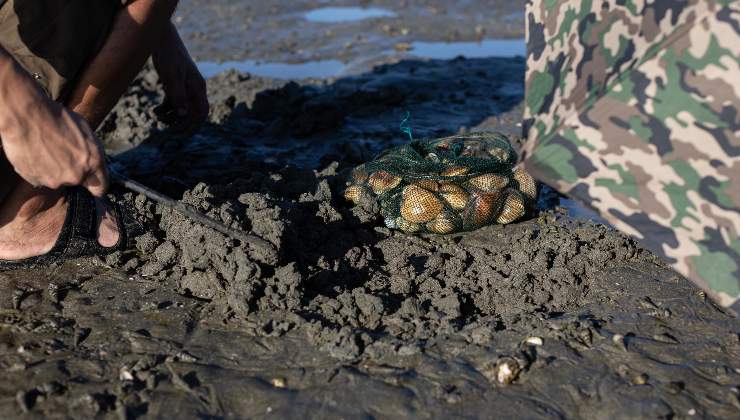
489 182
406 226
427 184
359 175
527 184
443 225
513 207
419 205
382 182
481 209
355 193
454 195
455 171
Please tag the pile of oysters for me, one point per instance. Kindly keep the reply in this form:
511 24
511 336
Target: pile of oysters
447 185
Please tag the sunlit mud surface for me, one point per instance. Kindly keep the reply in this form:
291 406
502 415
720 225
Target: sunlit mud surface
334 316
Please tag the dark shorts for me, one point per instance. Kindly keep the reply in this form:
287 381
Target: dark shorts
54 39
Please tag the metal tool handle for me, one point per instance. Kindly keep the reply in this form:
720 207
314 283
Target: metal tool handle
266 251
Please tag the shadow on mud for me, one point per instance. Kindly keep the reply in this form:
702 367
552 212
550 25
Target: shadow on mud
309 125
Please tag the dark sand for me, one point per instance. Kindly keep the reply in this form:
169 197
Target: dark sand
549 318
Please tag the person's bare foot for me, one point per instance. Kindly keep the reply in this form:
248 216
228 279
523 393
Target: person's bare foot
107 224
31 220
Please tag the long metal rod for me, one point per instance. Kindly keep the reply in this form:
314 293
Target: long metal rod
267 251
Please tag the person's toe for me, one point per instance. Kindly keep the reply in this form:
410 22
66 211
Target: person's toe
107 225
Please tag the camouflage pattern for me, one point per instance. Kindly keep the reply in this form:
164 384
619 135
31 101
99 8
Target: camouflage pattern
632 107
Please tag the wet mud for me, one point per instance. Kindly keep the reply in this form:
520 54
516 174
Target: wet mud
333 315
282 30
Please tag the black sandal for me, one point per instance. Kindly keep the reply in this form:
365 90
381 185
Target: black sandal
79 235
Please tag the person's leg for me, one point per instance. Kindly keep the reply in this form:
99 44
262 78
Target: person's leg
31 218
8 177
135 32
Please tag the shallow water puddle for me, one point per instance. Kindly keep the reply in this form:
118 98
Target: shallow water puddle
346 14
334 68
317 69
483 49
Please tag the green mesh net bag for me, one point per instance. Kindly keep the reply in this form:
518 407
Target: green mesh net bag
446 185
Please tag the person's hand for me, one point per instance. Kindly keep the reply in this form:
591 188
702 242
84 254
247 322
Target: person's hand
186 104
50 146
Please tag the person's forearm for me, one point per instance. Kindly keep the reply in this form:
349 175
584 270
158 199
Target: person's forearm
133 38
170 40
20 96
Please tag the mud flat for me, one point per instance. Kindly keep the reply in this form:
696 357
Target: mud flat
554 317
301 30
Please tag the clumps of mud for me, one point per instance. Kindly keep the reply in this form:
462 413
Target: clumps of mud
355 288
398 321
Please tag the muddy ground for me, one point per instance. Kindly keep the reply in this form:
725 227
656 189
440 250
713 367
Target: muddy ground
331 315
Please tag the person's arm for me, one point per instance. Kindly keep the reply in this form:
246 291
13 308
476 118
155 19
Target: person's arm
46 144
186 105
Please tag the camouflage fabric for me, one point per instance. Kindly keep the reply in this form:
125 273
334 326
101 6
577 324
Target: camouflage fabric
633 108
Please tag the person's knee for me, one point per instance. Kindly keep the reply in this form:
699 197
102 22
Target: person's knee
164 3
166 6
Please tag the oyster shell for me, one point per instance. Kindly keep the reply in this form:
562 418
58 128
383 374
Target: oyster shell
390 222
507 370
454 195
427 184
359 175
513 207
406 226
353 193
481 209
489 182
527 184
419 205
442 225
382 182
455 171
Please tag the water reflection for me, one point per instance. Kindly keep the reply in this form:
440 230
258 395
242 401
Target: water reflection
316 69
346 14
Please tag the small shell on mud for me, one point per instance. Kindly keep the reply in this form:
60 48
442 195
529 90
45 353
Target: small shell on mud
382 182
534 341
499 153
406 226
456 171
454 195
427 184
481 209
359 175
619 340
355 193
513 208
640 379
507 370
278 382
441 225
419 205
527 184
490 182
